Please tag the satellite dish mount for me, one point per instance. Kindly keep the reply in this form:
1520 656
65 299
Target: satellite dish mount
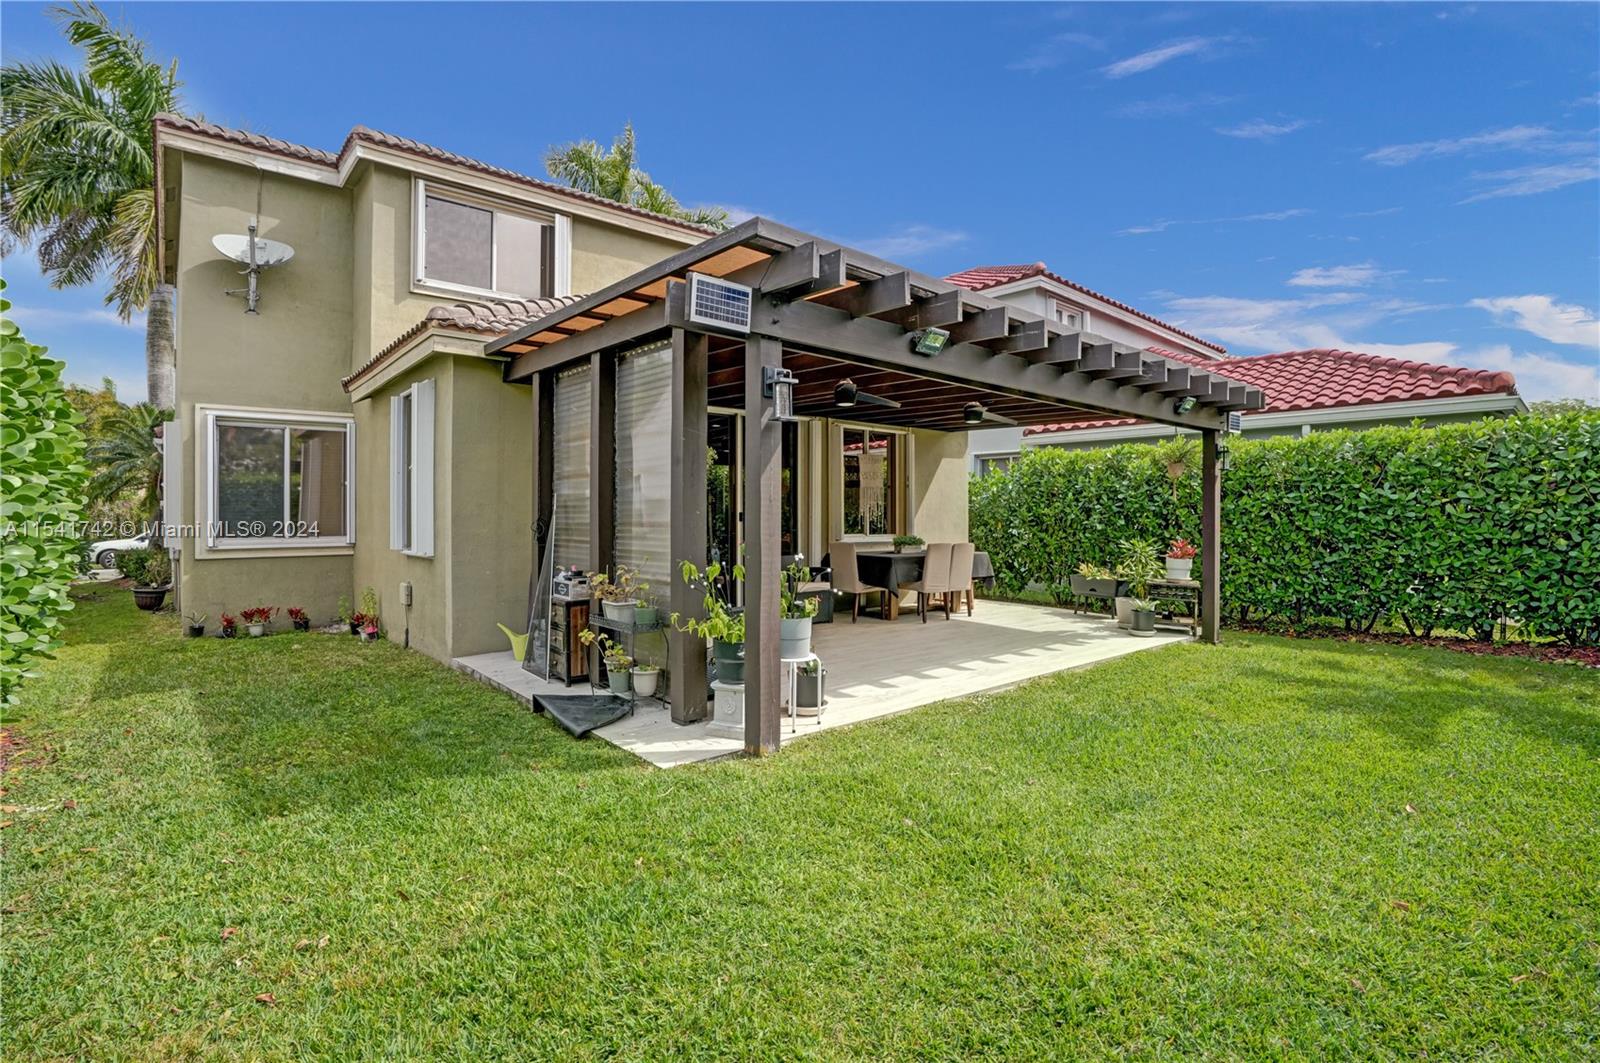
255 254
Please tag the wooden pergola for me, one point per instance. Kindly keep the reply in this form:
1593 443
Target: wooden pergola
825 313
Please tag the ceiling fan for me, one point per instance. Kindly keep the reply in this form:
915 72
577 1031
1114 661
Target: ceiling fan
847 396
974 413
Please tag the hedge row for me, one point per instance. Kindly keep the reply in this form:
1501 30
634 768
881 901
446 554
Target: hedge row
42 479
1460 527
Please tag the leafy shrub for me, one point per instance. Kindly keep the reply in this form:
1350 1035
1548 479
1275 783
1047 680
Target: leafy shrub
135 564
1459 527
42 480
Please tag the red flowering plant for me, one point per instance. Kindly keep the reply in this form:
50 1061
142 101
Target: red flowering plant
258 614
1181 550
229 625
298 617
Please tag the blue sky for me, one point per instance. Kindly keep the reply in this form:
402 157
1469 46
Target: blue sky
1407 179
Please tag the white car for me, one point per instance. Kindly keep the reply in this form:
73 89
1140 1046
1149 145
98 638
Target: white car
103 554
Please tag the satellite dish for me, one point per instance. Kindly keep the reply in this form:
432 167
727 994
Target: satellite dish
268 252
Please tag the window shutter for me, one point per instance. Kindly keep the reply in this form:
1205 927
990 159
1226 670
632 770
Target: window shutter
422 468
397 473
644 473
571 434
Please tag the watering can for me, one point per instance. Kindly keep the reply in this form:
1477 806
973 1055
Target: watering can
519 643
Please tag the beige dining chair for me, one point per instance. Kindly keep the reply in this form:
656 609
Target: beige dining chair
935 581
845 577
961 573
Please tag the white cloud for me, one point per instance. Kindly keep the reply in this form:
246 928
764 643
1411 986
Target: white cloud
1055 50
45 316
1539 376
909 241
1149 60
1171 105
1521 136
1532 180
1163 226
1379 213
1545 318
1355 276
1261 129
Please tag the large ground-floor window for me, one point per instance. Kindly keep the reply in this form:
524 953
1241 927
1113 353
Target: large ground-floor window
871 463
279 479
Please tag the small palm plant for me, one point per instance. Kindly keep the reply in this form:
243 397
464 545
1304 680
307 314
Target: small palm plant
614 174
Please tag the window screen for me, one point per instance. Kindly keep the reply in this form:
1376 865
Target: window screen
249 481
644 470
570 432
871 483
459 245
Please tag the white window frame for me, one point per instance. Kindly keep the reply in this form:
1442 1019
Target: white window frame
411 467
285 419
900 472
422 284
1057 305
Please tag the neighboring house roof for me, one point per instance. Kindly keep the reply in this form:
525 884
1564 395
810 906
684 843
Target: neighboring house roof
1323 379
980 277
489 318
361 133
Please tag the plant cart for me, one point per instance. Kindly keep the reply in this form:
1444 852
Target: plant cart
1167 593
624 631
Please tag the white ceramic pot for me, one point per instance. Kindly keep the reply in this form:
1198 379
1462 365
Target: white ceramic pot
794 637
645 681
257 630
623 610
1179 568
1124 611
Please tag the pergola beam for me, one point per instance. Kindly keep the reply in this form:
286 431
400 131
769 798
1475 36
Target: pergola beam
1032 336
991 323
882 295
1064 350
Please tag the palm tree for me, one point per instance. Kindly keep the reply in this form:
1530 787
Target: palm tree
614 174
77 170
124 458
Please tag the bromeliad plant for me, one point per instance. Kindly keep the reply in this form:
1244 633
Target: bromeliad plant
298 617
257 617
792 606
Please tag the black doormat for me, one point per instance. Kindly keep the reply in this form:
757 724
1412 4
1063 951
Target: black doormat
579 714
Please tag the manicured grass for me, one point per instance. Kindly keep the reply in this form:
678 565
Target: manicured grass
1304 849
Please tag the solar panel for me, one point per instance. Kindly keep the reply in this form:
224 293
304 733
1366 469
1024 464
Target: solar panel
719 304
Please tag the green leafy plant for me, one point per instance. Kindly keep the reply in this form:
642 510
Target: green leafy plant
1090 570
1469 527
721 623
790 605
135 565
908 542
611 651
346 614
369 605
42 478
1137 563
626 586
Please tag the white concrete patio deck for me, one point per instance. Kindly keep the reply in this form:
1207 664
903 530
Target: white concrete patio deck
875 668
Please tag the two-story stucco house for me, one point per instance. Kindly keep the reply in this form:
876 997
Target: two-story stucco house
404 255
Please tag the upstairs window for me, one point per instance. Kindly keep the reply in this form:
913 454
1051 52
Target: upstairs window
1069 316
466 244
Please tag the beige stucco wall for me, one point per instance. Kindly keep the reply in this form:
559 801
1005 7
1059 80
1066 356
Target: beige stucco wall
288 356
938 486
604 254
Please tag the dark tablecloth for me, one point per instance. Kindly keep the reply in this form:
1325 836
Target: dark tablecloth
888 569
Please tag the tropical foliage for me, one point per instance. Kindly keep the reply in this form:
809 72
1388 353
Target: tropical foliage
78 165
126 459
614 174
1465 527
41 499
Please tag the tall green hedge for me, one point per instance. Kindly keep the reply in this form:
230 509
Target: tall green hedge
1457 527
42 479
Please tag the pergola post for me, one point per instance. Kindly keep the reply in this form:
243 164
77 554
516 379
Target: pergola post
762 445
686 661
1210 537
602 459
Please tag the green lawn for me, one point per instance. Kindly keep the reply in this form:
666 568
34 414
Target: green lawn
1307 849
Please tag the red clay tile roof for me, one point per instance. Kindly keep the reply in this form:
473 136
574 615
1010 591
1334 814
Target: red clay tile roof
980 277
490 318
412 147
1325 379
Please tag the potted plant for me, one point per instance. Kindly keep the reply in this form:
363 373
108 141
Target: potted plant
369 631
229 627
1138 566
616 594
151 573
811 687
646 677
1142 617
1094 581
298 617
358 620
346 614
795 612
197 624
722 626
370 608
902 543
1180 559
256 619
616 659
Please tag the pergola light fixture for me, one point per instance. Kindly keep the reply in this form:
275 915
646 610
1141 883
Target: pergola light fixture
929 341
777 384
1185 404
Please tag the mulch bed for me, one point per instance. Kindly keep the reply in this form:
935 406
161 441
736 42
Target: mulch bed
1546 652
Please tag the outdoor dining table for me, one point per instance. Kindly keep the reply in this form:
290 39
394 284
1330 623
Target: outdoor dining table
887 569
